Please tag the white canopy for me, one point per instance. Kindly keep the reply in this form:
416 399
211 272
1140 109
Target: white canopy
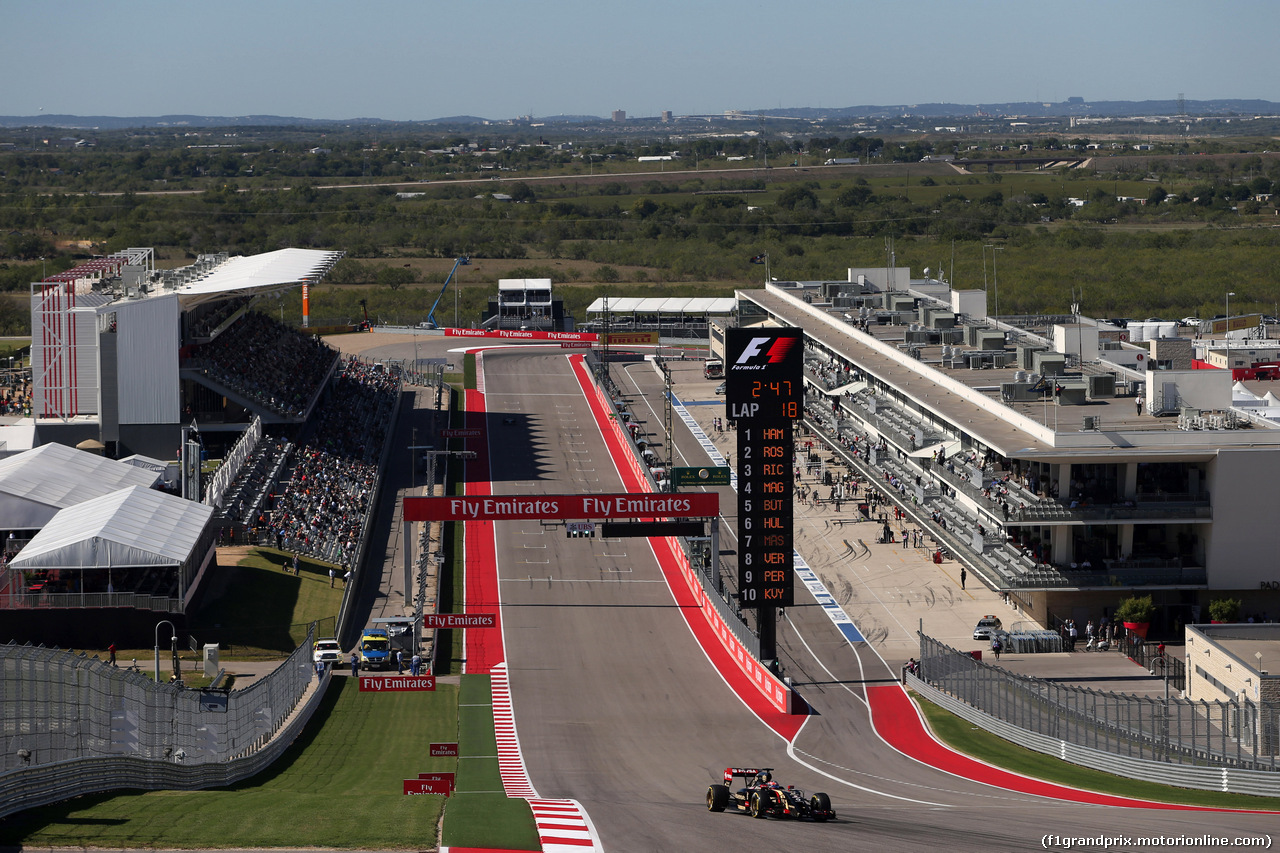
36 484
130 527
277 270
666 305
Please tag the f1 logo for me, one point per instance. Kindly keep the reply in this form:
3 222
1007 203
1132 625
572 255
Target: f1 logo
776 353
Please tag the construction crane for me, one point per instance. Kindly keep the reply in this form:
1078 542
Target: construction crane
462 261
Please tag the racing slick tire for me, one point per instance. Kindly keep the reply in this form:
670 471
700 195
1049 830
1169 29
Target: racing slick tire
717 798
758 808
820 803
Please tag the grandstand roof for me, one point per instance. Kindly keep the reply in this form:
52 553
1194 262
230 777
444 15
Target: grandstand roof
666 305
129 527
36 484
261 273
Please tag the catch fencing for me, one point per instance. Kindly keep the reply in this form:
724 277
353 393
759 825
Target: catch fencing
119 728
1170 730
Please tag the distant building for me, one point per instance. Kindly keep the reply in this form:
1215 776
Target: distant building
619 115
666 116
527 304
1051 457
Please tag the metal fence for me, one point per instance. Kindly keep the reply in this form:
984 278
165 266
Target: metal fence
58 706
1237 734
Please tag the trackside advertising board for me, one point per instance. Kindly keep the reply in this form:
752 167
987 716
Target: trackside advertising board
507 508
396 683
430 783
511 334
459 620
701 476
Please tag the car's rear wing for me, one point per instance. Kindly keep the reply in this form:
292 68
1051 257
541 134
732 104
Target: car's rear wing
731 773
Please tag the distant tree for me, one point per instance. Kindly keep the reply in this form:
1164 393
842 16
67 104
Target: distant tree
854 196
394 277
798 198
27 247
522 192
1157 195
644 207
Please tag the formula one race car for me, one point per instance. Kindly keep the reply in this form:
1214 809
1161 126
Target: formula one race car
762 797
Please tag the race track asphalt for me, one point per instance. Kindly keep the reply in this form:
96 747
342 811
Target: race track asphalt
617 706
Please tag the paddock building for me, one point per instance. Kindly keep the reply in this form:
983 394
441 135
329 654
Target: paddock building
1062 464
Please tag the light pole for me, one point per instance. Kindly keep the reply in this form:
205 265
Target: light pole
173 640
1230 372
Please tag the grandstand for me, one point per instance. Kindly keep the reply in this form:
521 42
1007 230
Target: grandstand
313 496
128 355
134 360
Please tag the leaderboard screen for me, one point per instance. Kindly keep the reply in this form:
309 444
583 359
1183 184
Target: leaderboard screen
765 494
764 395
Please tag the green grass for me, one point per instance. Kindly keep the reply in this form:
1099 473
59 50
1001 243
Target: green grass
261 610
965 737
469 371
14 347
481 814
339 785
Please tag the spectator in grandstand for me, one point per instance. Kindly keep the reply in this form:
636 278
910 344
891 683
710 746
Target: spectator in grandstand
268 362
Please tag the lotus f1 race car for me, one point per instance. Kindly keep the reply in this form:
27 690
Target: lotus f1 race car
762 797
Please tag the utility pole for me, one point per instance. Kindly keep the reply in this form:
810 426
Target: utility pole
995 274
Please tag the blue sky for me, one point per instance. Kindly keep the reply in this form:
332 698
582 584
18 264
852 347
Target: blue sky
502 58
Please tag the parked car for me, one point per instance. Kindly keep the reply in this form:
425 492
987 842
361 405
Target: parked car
987 627
327 651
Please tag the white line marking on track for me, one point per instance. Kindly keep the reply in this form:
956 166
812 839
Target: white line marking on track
528 578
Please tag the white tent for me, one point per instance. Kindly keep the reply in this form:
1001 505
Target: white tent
36 484
130 527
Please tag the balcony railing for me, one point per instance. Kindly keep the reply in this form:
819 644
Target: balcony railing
1168 507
